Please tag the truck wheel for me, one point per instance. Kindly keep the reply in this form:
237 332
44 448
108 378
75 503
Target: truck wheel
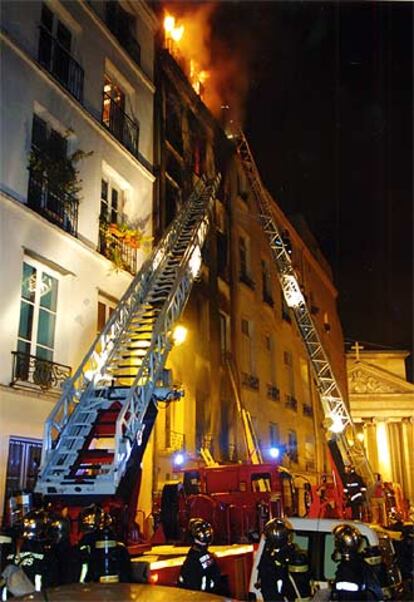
169 510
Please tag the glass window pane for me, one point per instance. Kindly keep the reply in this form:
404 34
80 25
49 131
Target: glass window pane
47 17
26 321
29 282
48 292
104 190
44 354
46 329
101 315
23 346
14 467
34 453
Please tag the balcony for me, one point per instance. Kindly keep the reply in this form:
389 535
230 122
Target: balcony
175 441
291 403
273 392
59 208
250 381
59 62
120 124
117 247
34 372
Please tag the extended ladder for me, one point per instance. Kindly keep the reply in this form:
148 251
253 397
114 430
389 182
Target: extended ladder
104 412
337 417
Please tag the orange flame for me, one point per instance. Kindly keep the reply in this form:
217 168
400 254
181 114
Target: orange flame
171 29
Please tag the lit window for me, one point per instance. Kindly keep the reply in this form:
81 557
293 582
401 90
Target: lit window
37 312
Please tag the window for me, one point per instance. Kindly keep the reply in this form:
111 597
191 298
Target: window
122 24
287 358
113 105
111 202
37 312
47 140
266 284
292 447
54 53
274 436
224 333
105 309
270 366
244 261
248 362
22 464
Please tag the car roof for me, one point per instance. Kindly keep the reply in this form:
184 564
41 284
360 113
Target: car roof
115 592
326 525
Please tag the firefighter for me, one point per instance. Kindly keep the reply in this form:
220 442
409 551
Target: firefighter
103 558
32 551
283 570
200 570
65 554
355 489
354 579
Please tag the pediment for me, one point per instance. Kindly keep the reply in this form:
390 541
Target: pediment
364 378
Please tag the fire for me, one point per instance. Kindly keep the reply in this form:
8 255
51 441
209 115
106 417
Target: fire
180 51
172 30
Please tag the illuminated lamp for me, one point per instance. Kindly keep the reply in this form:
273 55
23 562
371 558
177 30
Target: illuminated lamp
179 459
360 437
293 294
337 425
274 452
179 334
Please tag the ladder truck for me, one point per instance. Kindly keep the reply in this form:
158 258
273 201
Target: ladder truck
343 444
95 437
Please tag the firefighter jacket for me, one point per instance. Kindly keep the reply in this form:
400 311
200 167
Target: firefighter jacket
281 575
354 488
38 563
103 559
200 571
355 581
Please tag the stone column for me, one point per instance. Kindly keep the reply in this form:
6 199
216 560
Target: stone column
407 428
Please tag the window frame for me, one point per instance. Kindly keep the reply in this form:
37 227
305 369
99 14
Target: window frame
33 342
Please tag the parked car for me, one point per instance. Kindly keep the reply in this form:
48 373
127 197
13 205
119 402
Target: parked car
315 537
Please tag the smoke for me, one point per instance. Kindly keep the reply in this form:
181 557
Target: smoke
226 61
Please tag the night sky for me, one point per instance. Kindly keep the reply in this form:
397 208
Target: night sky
329 118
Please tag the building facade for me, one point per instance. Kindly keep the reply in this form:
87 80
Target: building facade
382 405
75 200
238 326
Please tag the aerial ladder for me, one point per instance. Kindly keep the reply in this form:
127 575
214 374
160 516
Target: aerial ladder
96 434
344 446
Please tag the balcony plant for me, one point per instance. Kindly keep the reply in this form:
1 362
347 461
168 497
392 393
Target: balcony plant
114 235
60 173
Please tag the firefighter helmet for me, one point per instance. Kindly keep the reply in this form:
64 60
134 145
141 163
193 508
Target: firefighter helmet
278 532
348 539
59 528
91 518
201 531
35 525
394 517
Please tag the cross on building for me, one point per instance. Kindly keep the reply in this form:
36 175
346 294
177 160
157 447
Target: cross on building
357 347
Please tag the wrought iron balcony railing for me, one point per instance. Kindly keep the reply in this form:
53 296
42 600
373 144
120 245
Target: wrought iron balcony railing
120 252
60 209
250 381
273 392
31 371
291 403
124 128
175 441
60 63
